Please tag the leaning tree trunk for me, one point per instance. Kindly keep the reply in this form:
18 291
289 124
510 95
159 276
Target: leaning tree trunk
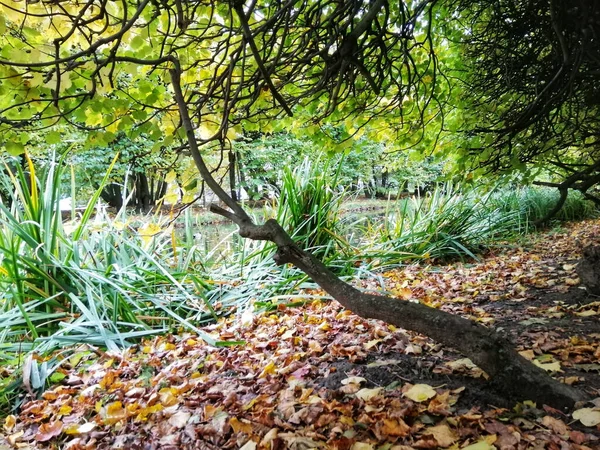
513 374
588 269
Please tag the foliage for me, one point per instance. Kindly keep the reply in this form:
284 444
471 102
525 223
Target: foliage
94 281
442 224
527 91
309 207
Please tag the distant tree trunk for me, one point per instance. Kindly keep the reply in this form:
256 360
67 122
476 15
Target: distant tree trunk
232 187
564 193
142 193
113 195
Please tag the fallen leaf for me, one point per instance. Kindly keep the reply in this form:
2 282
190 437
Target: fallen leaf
361 446
250 445
9 423
80 429
395 427
420 392
481 445
549 367
587 416
49 430
239 426
556 425
179 419
367 394
356 380
444 436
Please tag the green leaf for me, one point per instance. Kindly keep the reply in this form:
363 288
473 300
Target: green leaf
53 137
14 148
137 42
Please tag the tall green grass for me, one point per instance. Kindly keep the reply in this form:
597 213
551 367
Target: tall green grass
534 203
96 281
444 224
309 207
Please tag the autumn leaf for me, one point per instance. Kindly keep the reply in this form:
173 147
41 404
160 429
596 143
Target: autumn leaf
395 427
179 419
444 436
420 392
49 430
590 417
366 394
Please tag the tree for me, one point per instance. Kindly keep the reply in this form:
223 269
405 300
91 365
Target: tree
197 71
532 87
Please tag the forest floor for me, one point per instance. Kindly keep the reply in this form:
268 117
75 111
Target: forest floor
320 377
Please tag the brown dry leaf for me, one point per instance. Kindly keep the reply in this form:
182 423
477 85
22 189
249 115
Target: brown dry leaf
528 354
395 427
556 425
49 430
441 404
444 436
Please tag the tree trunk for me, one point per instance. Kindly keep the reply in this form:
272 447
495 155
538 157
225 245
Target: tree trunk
564 193
112 195
514 375
588 269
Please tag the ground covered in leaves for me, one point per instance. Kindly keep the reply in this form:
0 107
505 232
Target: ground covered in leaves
320 377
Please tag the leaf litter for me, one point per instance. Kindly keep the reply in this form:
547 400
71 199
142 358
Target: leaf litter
320 377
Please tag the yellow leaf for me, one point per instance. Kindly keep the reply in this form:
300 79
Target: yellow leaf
367 394
64 410
372 343
481 445
10 422
80 429
113 413
239 426
420 392
148 231
587 416
268 370
548 367
167 396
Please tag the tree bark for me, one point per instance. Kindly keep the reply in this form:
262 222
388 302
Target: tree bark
513 374
588 269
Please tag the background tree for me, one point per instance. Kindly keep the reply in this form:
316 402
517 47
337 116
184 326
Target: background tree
197 71
532 95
